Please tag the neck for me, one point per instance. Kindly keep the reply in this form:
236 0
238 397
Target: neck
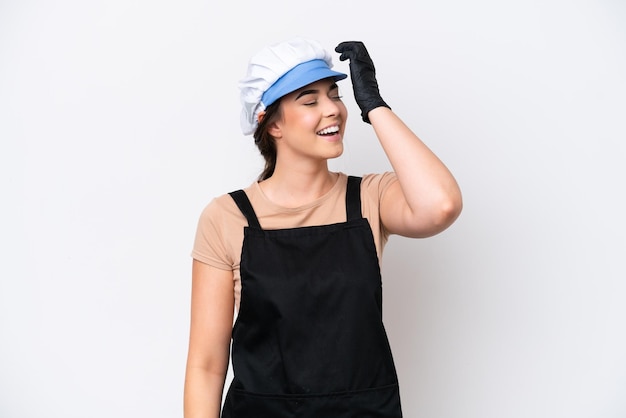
297 186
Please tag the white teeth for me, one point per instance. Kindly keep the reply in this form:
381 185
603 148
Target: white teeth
329 130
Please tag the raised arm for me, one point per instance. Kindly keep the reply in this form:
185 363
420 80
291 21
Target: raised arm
212 307
426 199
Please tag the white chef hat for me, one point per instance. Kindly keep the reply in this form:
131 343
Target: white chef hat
280 69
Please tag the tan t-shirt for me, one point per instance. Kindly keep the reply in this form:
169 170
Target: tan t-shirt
219 235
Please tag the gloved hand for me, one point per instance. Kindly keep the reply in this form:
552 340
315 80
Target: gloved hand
363 77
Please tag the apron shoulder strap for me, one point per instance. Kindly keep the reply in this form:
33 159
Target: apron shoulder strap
353 198
244 205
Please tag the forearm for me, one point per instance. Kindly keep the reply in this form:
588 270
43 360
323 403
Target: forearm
212 305
203 393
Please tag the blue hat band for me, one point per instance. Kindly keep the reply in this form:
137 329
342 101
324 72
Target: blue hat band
299 76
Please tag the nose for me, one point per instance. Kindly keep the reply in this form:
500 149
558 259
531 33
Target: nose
331 106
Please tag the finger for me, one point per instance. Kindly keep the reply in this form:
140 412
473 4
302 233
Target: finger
349 45
347 49
343 46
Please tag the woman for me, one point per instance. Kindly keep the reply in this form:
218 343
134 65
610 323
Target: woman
297 253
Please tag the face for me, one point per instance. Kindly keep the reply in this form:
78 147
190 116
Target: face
312 123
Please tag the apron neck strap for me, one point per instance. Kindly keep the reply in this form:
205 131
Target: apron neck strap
353 198
244 205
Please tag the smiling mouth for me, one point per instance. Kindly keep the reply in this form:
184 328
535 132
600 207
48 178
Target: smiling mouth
331 130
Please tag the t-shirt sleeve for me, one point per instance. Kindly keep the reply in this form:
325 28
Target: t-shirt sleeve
210 244
373 188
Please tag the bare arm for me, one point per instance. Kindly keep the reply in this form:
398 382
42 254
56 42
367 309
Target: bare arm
212 307
426 199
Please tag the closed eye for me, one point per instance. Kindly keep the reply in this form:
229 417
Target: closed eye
333 93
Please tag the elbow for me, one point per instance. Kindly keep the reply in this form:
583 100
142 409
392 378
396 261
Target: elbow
448 211
427 217
453 205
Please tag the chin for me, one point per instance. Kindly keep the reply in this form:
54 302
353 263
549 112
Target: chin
337 153
329 156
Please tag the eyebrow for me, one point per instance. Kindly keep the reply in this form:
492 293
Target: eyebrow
313 91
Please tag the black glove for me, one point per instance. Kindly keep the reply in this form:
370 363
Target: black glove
363 77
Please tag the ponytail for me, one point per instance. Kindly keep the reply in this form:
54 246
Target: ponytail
265 142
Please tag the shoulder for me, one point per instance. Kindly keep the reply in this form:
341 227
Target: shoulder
373 188
219 233
374 185
219 208
221 213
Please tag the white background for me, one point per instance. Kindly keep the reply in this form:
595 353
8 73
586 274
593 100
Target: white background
119 121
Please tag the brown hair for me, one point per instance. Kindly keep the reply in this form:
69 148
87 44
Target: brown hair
265 142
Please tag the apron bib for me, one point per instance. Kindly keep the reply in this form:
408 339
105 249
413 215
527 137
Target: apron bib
309 339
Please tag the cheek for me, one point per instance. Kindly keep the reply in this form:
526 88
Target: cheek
308 120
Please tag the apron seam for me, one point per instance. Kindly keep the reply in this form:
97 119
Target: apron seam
314 395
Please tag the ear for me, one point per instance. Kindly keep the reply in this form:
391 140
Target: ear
274 130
